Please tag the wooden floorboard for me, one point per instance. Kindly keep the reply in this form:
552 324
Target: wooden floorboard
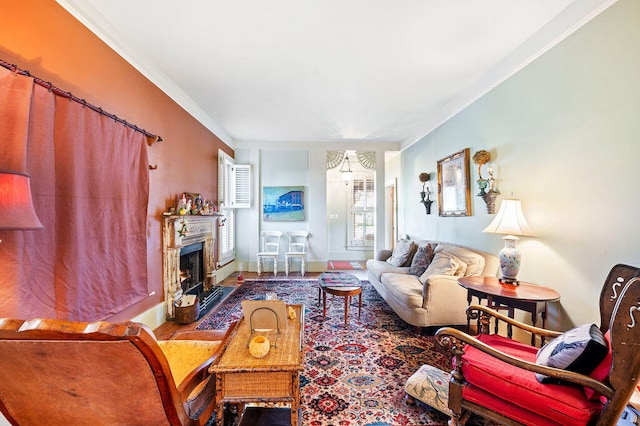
169 328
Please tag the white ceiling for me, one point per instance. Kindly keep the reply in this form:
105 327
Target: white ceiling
330 70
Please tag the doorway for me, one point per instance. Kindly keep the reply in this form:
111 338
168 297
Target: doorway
391 214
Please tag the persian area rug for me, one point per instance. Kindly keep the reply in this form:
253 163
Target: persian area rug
354 375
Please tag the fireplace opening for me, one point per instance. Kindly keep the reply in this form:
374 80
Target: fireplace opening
193 280
191 266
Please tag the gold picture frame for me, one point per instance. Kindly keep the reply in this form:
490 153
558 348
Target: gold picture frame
454 185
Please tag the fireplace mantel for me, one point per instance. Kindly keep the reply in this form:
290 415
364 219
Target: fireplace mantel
178 232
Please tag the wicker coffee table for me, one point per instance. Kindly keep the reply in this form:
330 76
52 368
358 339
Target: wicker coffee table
241 378
340 284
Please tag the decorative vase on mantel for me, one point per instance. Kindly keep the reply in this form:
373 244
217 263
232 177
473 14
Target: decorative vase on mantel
259 347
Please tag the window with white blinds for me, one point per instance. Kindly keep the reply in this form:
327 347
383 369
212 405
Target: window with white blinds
240 177
226 240
363 202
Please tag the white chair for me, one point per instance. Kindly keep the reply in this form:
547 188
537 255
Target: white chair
297 249
270 249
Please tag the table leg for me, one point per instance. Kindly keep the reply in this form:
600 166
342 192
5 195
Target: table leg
511 314
346 309
469 297
219 403
359 304
534 319
220 414
491 305
295 403
324 305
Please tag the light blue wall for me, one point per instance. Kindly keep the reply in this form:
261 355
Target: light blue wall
564 134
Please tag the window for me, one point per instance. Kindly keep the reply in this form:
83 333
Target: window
234 192
226 223
362 228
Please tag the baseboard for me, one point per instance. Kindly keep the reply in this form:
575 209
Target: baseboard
153 317
252 266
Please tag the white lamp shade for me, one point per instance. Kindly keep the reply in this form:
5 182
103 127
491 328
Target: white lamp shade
16 205
510 220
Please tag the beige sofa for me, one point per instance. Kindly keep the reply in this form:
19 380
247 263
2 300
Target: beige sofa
434 298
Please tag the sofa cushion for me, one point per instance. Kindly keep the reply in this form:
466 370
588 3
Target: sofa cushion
403 253
443 263
405 289
475 262
378 267
422 259
580 350
498 386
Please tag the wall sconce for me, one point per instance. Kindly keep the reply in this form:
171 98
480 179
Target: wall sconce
346 173
489 197
426 191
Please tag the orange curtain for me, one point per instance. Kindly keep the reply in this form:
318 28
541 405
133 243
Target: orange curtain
90 184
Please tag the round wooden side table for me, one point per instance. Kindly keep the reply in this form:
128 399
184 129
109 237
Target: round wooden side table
525 296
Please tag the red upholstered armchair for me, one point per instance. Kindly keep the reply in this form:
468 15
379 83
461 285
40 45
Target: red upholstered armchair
495 377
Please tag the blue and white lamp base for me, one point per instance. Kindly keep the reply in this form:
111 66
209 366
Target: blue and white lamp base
510 260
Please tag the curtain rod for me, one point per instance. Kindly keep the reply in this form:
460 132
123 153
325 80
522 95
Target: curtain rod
58 91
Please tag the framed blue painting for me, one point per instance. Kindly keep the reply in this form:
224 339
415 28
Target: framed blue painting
282 203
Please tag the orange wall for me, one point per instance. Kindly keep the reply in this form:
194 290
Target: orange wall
40 36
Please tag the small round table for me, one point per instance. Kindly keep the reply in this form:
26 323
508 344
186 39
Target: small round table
528 297
340 284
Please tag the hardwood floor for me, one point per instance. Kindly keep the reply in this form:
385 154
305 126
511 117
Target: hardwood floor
169 328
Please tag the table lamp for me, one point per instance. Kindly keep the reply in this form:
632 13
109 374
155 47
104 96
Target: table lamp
510 220
16 205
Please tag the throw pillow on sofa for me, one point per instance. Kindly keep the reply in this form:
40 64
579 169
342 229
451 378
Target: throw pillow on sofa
475 262
402 253
580 350
422 259
443 263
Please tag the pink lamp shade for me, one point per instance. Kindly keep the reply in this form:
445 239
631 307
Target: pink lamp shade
16 205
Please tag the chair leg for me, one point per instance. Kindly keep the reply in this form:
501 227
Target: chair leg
275 266
286 266
303 265
410 400
259 266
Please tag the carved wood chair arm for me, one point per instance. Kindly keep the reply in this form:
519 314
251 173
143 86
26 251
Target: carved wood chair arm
197 390
455 339
475 311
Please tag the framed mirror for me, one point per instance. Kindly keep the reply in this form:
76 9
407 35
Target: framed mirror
454 189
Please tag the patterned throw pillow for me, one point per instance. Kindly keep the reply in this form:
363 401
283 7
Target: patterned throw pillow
442 264
422 259
580 350
401 253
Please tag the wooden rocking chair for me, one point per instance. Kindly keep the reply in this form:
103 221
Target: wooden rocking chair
56 372
494 376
